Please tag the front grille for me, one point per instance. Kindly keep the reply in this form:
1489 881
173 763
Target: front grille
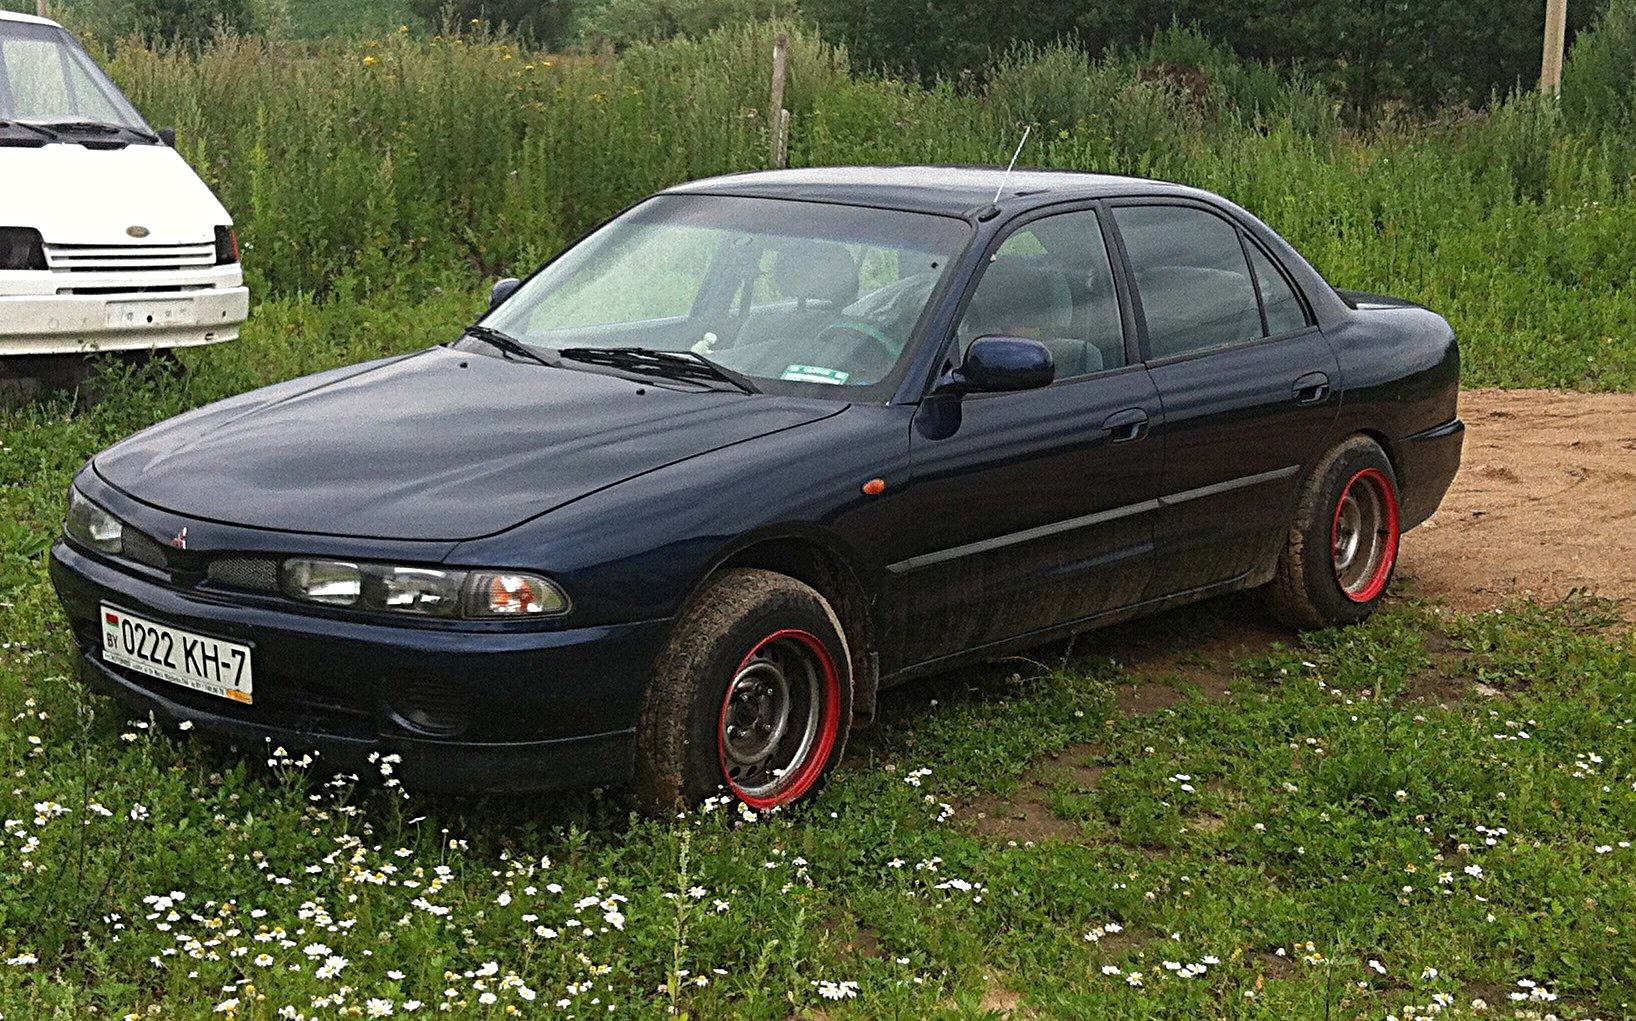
255 574
142 258
145 549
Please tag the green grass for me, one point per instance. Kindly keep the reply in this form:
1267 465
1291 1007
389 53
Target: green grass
1356 798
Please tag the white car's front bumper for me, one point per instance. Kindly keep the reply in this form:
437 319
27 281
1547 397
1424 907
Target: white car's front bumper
208 307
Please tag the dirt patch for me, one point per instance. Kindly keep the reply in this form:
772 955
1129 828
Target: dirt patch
1026 816
1545 503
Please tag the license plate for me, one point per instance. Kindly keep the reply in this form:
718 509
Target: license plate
181 657
136 315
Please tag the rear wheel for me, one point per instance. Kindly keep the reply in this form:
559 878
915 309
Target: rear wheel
751 697
1342 545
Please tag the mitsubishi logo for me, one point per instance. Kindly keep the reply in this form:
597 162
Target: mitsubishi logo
180 542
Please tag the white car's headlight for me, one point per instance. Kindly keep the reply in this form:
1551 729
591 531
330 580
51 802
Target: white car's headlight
424 591
92 526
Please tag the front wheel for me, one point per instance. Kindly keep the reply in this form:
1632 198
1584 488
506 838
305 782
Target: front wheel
751 697
1342 545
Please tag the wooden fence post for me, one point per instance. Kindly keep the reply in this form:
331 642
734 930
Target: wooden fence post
778 120
1556 32
40 8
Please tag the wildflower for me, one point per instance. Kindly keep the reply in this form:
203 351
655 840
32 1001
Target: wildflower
1134 979
837 990
377 1007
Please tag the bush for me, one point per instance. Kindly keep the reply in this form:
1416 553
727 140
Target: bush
1599 80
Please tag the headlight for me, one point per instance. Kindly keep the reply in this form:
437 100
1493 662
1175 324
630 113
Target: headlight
21 248
425 591
90 525
324 581
227 246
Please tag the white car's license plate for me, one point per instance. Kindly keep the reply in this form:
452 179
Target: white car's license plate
136 315
180 657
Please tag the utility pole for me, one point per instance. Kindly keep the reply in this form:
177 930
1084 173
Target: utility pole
780 117
1556 32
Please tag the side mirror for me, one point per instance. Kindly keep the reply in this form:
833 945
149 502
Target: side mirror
502 290
168 136
997 364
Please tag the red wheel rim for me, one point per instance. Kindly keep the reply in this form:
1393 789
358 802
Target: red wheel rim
779 719
1364 535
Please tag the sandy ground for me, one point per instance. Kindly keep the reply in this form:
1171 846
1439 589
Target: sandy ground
1545 503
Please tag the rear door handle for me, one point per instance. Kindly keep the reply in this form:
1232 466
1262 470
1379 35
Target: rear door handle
1125 426
1312 388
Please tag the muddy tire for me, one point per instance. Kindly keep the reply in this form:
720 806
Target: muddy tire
1342 546
752 697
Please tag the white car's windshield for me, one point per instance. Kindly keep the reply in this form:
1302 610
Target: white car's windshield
794 296
47 79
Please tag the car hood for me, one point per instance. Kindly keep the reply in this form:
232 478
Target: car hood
80 196
439 445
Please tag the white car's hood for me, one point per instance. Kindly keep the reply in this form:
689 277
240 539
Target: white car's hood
78 196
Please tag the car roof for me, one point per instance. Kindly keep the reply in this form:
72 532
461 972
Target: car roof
955 190
31 19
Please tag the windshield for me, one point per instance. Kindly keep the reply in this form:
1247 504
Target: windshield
800 297
46 78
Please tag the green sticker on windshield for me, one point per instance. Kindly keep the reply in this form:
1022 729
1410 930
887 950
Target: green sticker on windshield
815 374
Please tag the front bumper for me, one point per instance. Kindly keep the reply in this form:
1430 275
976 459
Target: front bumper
83 323
468 709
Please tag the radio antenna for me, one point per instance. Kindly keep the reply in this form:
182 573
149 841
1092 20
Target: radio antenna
1007 176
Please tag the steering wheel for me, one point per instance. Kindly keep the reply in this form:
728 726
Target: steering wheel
842 328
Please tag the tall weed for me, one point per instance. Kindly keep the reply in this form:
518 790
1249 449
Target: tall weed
398 164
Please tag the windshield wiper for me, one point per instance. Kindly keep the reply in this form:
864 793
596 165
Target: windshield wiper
669 364
99 128
38 129
506 342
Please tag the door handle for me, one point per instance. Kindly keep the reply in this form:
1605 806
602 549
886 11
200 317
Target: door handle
1125 426
1312 388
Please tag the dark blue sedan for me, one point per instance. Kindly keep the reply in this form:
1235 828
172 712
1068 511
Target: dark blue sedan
681 504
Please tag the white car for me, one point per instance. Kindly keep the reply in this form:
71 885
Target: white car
108 239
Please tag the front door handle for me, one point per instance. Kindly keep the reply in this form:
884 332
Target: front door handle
1312 388
1125 426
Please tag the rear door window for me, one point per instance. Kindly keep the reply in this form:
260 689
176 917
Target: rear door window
1192 279
1285 313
